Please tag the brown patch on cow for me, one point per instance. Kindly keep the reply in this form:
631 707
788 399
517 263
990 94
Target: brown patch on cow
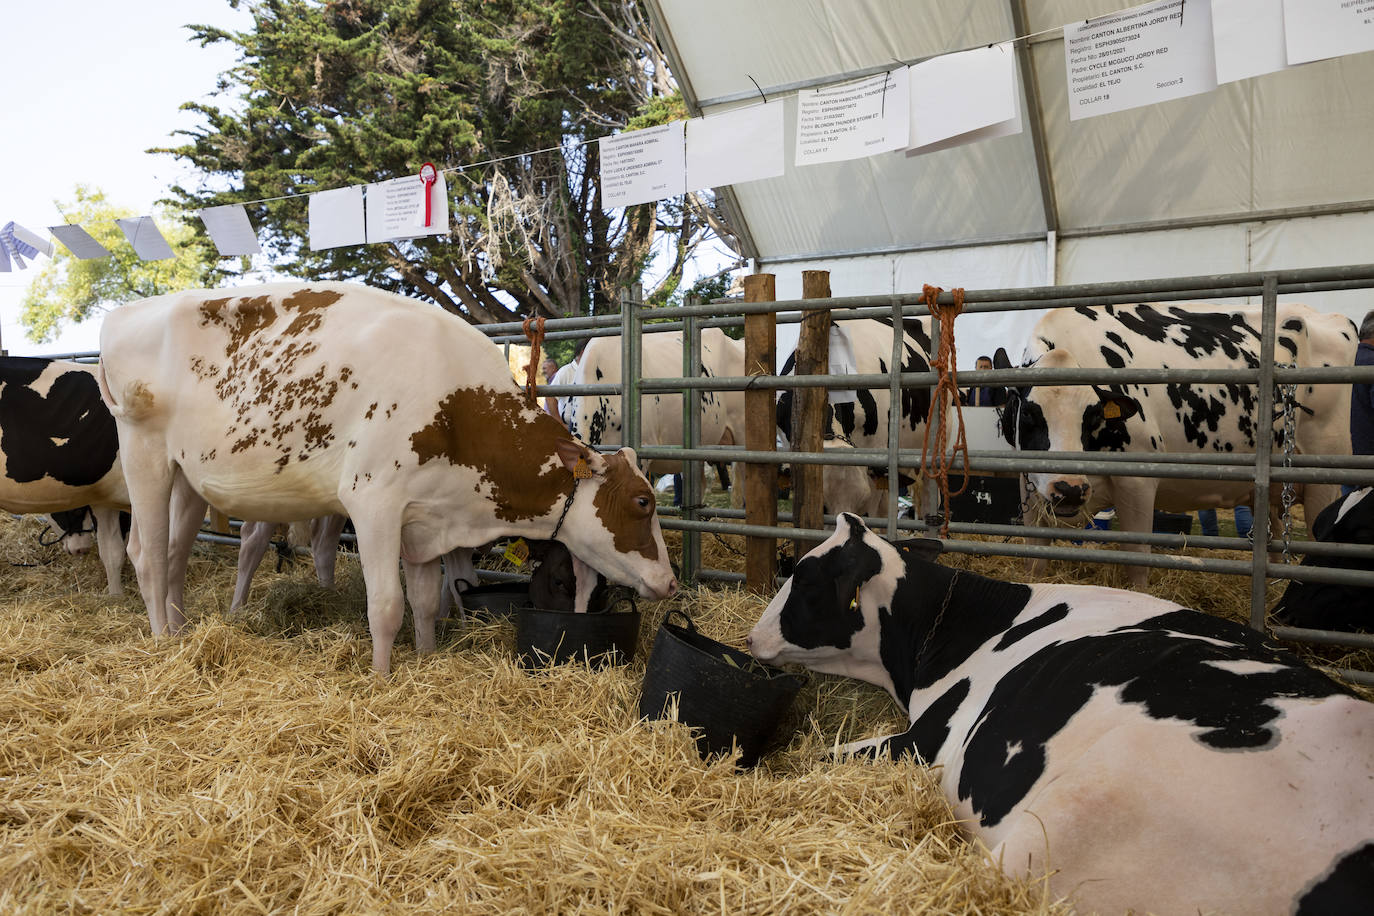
498 435
263 374
626 506
371 409
308 306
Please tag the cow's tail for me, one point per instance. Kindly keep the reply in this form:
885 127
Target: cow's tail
135 399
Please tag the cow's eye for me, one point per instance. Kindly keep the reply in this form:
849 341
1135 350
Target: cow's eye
643 502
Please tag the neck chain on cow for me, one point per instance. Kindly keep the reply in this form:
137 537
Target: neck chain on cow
567 504
939 617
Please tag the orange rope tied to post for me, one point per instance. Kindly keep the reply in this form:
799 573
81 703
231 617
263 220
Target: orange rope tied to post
534 333
937 466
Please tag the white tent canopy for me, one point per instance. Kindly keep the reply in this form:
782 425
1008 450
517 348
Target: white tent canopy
1266 173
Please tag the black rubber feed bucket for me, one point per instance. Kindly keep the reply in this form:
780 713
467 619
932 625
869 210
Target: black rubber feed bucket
544 637
498 599
729 696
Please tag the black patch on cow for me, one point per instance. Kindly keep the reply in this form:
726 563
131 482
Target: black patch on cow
784 409
73 521
1163 665
820 611
1196 333
1347 888
1200 410
965 614
912 330
1112 357
1120 343
599 374
870 407
929 732
1022 630
1023 422
1100 434
1086 311
71 411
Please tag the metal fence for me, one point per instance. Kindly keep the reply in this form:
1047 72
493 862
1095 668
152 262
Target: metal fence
1263 467
695 519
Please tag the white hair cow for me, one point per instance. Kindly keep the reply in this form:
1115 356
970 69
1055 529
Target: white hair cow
1147 757
1171 416
294 400
597 418
59 454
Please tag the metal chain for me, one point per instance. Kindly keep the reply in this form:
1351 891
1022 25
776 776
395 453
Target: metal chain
1289 393
949 593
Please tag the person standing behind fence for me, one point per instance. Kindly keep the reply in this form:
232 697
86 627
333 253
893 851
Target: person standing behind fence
988 395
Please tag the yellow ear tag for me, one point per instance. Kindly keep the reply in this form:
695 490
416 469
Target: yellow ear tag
517 552
855 603
581 471
1111 410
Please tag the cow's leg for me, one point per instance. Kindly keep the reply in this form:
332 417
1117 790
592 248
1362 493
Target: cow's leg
148 475
110 542
889 746
379 544
187 513
1135 511
1033 513
324 546
422 588
254 537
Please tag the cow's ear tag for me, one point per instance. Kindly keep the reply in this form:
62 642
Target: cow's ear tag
1111 410
582 470
855 603
517 551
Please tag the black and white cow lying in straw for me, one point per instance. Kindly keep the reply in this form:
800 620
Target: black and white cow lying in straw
1327 605
1147 756
59 453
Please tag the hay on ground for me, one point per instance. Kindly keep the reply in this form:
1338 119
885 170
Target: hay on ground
255 765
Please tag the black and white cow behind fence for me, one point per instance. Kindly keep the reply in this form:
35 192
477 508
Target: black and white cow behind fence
1172 417
59 452
1145 756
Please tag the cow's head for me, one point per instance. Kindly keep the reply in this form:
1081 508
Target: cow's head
830 614
1066 418
612 524
77 527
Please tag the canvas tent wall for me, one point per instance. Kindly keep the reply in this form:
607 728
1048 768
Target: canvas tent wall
1265 173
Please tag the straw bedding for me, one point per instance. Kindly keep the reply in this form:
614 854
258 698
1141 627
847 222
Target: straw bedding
255 765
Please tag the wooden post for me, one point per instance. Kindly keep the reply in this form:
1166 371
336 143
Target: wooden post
219 522
760 434
808 411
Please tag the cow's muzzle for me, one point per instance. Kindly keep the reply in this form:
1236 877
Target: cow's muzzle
1067 499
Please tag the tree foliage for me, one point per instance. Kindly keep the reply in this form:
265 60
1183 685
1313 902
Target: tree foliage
345 92
70 289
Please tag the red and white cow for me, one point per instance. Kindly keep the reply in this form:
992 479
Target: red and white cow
597 418
59 451
1173 416
1145 756
295 400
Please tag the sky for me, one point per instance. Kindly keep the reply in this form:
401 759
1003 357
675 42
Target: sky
91 85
